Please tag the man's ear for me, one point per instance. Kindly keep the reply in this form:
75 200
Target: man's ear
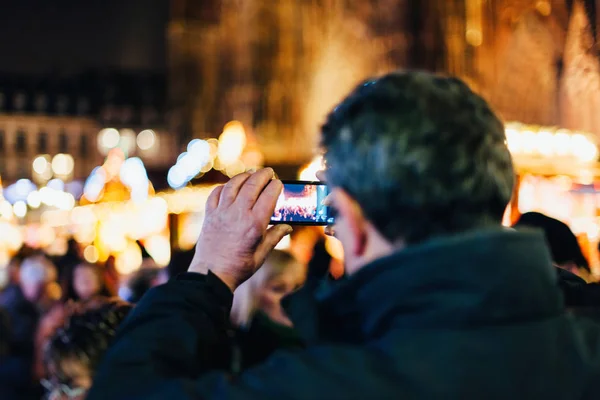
354 221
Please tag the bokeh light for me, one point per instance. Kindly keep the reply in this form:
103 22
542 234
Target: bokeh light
108 139
90 254
34 199
63 164
231 142
146 139
20 209
41 165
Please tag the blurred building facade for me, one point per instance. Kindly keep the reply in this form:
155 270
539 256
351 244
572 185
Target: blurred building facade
50 115
279 66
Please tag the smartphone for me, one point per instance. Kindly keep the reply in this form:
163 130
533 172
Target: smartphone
302 203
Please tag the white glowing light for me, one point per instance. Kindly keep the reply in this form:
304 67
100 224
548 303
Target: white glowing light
127 140
108 139
146 139
62 164
562 143
41 165
95 184
65 201
20 209
176 177
34 199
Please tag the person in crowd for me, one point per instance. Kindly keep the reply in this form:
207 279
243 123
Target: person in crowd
66 264
15 370
257 314
26 304
111 276
280 275
141 281
568 257
440 301
88 282
563 244
76 348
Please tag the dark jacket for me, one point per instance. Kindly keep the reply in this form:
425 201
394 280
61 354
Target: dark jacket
475 316
24 318
15 379
578 294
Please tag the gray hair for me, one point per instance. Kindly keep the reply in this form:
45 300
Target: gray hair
423 156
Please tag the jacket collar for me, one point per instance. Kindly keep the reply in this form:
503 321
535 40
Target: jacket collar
475 279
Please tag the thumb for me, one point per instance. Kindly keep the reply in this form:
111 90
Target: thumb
272 237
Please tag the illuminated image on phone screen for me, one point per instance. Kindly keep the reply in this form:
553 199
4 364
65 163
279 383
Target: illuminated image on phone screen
302 203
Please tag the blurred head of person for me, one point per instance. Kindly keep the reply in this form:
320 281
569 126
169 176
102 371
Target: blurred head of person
141 281
563 244
35 274
75 350
88 281
412 156
280 275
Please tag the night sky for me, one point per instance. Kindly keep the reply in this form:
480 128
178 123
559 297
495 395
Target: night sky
68 36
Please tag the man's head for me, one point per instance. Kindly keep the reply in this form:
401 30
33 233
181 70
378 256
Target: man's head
411 156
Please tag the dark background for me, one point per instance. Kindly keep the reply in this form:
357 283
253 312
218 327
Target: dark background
68 36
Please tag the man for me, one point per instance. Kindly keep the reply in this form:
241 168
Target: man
440 303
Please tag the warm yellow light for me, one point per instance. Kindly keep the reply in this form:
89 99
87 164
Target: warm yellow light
231 143
130 260
544 8
474 37
160 249
6 210
41 164
34 200
309 172
46 235
235 168
62 164
91 254
146 139
214 147
20 209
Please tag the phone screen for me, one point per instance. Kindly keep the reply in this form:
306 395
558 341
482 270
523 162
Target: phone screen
301 203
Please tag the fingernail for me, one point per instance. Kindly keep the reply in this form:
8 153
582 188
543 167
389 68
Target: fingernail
271 171
288 229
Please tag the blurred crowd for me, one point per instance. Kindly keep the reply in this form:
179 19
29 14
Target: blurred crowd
58 315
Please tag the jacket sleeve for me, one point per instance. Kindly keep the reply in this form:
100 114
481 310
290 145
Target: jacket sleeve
178 330
169 349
